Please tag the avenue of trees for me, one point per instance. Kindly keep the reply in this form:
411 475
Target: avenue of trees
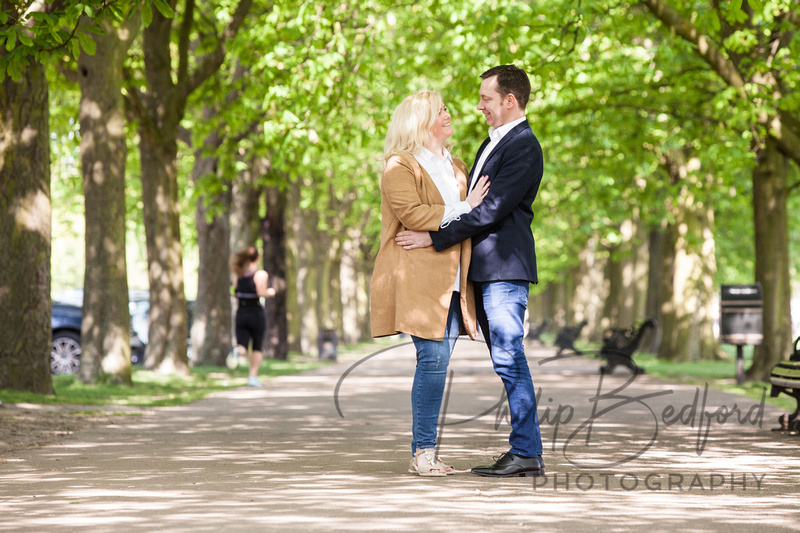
670 129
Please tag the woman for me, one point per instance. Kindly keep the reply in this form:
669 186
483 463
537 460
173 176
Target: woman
251 285
422 292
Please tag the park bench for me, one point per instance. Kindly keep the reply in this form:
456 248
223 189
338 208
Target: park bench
619 344
566 337
535 330
785 377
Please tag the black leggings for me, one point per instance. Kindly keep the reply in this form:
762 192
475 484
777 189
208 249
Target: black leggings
251 324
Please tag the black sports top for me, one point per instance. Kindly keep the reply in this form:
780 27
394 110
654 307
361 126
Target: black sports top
246 290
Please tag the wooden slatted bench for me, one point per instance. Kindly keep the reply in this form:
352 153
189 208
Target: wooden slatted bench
785 378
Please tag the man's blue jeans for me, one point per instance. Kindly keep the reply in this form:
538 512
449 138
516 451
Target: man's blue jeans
500 306
430 377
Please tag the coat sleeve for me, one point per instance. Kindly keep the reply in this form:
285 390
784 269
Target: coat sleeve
520 169
400 189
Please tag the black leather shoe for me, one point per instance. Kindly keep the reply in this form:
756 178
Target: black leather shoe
510 464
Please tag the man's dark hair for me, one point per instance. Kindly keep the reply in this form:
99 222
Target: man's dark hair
511 80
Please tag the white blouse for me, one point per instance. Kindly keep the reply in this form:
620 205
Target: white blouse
444 177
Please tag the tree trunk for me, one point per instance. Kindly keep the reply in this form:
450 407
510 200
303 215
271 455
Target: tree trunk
336 303
105 330
666 278
167 322
625 275
163 108
159 112
688 326
349 282
211 335
770 175
302 292
550 308
295 272
624 272
25 227
352 277
367 262
328 289
652 308
698 279
273 235
329 297
770 191
590 289
244 218
640 263
535 313
634 263
612 308
292 274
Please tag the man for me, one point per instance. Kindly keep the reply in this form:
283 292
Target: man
503 255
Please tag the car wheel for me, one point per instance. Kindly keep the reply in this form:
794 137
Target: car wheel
137 355
65 353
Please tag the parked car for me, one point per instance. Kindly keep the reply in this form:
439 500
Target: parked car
65 348
139 305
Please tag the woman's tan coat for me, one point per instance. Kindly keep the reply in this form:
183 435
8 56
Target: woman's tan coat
411 290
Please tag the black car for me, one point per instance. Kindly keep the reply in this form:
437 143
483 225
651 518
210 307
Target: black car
65 349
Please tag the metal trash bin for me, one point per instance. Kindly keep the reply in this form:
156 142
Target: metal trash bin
740 320
326 344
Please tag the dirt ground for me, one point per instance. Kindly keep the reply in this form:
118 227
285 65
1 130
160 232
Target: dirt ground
29 425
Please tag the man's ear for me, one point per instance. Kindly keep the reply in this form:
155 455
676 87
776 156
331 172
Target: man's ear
510 101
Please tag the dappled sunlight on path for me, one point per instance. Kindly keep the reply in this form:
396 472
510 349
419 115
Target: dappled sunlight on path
318 452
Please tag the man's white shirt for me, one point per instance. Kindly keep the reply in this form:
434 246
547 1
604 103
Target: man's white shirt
495 135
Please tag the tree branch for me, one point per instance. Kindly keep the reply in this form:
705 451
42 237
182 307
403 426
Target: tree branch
788 138
185 135
793 17
779 40
705 46
135 108
211 63
183 42
781 126
69 74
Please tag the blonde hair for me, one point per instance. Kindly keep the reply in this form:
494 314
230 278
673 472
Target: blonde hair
412 123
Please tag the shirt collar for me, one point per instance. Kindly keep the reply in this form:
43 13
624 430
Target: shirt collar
496 134
427 155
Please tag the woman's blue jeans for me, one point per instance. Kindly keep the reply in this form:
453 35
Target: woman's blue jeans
500 307
430 377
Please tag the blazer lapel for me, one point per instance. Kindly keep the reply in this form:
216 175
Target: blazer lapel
516 130
478 158
519 128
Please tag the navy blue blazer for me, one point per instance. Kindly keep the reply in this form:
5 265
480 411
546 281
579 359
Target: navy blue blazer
502 241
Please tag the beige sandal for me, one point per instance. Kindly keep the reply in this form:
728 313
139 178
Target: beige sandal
447 468
426 463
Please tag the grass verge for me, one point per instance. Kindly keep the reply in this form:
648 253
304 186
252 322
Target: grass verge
157 390
151 389
718 375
